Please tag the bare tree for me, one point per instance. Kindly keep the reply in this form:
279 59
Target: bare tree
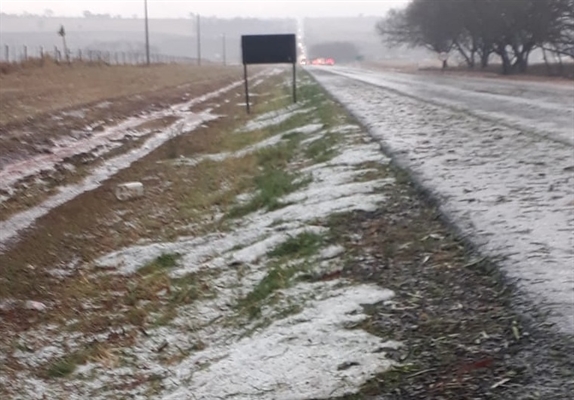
431 24
509 28
561 41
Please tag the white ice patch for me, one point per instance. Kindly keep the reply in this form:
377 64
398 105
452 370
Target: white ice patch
301 357
275 118
346 129
269 142
331 252
74 113
307 129
360 155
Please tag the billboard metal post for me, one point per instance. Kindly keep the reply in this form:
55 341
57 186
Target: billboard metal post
246 79
294 83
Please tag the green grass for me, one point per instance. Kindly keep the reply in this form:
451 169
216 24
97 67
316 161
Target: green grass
163 262
66 365
61 368
271 185
326 110
277 278
157 296
185 290
322 150
274 181
281 155
303 245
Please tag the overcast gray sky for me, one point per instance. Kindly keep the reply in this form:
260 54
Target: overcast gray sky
182 8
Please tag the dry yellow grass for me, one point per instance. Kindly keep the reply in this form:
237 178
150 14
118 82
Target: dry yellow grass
29 92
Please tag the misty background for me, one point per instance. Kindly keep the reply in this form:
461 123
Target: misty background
344 31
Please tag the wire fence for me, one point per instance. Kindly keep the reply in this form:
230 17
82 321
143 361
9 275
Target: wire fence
23 54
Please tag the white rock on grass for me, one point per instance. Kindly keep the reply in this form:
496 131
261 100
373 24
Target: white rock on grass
35 305
129 191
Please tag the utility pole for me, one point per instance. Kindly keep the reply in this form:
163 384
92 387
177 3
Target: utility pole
224 44
198 40
146 35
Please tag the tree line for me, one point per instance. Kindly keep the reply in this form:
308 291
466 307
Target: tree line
479 29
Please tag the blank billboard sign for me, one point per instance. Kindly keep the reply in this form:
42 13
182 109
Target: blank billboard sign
269 49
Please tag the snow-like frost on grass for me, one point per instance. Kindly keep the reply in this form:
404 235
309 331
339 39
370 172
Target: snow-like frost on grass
346 128
300 357
273 118
361 154
303 345
306 129
269 142
331 252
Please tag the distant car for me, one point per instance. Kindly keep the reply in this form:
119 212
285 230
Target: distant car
323 61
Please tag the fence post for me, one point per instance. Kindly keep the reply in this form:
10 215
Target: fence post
56 53
7 53
25 53
80 55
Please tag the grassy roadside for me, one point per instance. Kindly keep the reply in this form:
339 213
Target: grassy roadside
461 337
